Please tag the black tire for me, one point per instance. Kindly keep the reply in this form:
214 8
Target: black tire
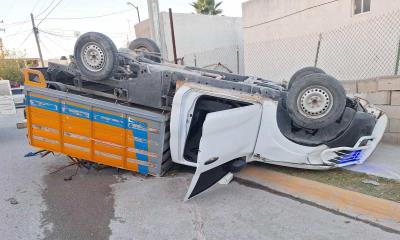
302 73
146 45
315 101
56 86
236 165
104 52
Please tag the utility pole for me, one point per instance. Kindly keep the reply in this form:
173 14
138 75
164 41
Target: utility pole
154 11
171 23
36 32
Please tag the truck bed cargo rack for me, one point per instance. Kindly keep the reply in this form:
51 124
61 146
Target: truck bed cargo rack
125 137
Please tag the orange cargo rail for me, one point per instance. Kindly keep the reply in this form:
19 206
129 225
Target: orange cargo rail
103 132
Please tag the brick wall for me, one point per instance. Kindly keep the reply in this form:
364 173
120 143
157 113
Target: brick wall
383 92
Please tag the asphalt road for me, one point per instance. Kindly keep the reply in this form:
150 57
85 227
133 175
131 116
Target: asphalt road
107 204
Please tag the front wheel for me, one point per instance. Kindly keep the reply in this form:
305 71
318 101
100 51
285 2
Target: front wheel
315 101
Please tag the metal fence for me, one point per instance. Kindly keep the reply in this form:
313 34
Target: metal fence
226 59
365 49
278 59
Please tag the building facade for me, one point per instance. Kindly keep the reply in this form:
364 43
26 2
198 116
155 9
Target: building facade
276 19
351 39
201 40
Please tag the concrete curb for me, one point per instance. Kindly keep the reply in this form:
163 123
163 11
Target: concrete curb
354 204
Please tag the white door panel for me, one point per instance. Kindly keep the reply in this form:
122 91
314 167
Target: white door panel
226 135
182 106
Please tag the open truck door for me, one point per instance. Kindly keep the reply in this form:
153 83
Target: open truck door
226 136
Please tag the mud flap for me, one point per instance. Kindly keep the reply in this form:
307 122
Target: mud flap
226 135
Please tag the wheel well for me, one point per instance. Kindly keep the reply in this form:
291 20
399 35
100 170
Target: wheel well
204 105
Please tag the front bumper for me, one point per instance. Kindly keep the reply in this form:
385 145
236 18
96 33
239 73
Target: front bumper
358 154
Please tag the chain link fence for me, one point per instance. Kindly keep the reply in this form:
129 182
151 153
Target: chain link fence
278 59
227 59
361 50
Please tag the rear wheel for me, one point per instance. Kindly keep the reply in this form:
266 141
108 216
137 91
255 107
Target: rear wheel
96 56
315 101
147 47
302 73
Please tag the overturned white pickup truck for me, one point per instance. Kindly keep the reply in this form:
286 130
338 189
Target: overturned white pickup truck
220 121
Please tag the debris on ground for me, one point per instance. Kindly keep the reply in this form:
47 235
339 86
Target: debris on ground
369 181
12 200
21 125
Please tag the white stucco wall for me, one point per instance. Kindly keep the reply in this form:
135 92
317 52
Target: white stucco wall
281 36
195 33
142 29
315 20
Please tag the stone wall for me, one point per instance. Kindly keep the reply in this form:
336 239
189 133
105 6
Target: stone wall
383 92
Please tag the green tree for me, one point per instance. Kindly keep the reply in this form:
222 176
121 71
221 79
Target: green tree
207 7
10 67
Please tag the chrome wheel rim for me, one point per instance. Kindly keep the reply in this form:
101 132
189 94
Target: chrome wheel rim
93 57
315 102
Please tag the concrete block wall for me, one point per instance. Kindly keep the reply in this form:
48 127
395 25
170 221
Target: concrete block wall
383 92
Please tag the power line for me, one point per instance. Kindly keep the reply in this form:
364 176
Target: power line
58 45
16 33
46 48
291 14
20 30
22 43
97 16
59 29
34 6
56 34
66 18
45 9
15 23
61 33
55 6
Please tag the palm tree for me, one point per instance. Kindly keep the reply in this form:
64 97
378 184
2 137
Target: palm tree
207 7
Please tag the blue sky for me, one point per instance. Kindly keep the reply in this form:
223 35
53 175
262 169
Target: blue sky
59 39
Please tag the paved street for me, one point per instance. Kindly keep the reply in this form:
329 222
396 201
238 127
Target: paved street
107 204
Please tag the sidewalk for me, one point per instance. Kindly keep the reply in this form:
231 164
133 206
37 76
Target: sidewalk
340 190
384 162
372 210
